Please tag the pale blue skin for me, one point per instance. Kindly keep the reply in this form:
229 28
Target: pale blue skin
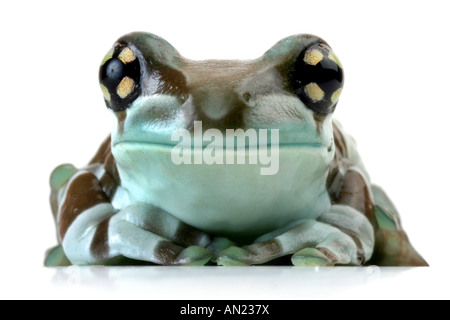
226 202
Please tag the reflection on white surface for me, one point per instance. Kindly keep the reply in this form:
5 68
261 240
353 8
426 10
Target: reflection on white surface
226 283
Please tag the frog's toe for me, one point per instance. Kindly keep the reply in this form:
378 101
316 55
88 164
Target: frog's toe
193 256
220 244
61 175
55 257
234 256
311 257
337 248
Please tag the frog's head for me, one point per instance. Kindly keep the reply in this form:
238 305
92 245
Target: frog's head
153 90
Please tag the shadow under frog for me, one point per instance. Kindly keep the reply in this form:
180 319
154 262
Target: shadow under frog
132 205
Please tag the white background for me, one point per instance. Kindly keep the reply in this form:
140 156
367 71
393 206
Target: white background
395 102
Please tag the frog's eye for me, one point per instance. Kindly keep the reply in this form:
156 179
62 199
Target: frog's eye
119 77
317 78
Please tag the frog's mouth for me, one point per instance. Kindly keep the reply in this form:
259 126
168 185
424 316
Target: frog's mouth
259 147
231 140
224 147
220 152
266 159
245 146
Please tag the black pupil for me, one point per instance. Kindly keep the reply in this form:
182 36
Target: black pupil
113 73
326 74
115 69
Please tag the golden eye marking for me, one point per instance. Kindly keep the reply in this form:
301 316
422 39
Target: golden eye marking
334 58
125 87
336 95
314 92
108 56
127 55
106 93
313 57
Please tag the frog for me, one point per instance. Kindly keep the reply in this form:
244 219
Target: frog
132 205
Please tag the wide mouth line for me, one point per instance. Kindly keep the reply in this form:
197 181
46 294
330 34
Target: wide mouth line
149 143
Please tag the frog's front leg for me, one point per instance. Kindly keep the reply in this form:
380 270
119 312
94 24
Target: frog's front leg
92 231
312 242
343 235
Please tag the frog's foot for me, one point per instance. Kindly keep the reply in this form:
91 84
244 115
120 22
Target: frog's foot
341 237
312 243
140 232
218 245
336 249
140 244
55 257
393 247
144 232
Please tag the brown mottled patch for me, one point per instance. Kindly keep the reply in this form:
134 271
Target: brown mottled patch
109 185
318 119
99 246
339 165
355 193
121 117
334 179
167 252
359 245
172 82
222 74
394 249
328 254
269 249
103 152
339 141
84 192
347 186
111 179
188 236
